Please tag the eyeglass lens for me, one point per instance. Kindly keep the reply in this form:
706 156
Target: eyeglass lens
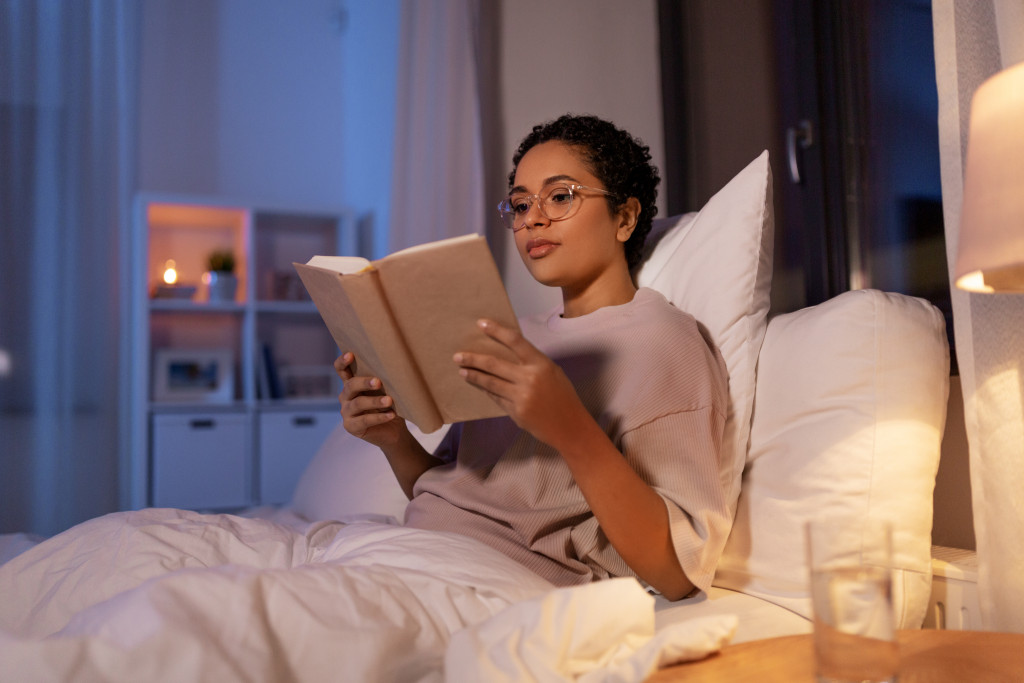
553 202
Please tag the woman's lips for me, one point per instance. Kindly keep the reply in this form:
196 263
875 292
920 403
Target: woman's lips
539 248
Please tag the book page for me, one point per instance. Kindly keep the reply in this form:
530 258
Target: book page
447 243
340 264
359 319
437 292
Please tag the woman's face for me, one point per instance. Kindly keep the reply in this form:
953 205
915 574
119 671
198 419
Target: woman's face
583 250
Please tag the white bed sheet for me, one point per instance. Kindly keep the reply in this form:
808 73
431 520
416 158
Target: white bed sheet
170 595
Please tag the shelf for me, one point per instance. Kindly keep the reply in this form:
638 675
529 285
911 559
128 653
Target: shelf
286 307
252 447
185 306
174 408
294 404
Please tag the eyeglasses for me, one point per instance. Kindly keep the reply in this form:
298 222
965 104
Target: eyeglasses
555 203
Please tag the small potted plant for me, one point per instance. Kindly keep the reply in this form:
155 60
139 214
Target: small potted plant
220 278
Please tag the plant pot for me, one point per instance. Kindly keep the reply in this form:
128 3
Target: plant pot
221 285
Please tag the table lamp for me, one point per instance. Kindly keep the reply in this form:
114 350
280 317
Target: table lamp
990 257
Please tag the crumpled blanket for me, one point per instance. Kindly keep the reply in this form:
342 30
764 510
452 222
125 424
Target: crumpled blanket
600 632
169 595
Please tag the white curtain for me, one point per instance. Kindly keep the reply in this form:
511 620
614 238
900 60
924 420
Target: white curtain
438 188
67 113
975 39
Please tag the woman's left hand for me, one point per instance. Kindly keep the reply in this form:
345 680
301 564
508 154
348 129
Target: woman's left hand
534 391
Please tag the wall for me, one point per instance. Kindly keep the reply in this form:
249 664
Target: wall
178 81
580 56
270 102
280 101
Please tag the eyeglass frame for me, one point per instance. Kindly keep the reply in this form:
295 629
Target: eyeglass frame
536 197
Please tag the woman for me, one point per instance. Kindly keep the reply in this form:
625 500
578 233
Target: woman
608 464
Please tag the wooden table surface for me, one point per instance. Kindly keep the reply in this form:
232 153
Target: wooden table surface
926 656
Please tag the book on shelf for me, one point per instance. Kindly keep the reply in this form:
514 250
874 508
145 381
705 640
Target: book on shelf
405 315
269 380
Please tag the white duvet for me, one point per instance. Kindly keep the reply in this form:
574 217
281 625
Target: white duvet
169 595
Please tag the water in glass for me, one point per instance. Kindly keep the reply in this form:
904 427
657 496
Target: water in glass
854 639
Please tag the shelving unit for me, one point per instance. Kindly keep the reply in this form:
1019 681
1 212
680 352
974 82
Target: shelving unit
230 397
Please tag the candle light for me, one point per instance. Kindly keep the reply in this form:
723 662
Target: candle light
170 288
170 273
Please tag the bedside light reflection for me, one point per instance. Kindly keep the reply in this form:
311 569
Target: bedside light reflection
990 254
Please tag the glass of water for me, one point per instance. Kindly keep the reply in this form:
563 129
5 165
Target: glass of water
850 562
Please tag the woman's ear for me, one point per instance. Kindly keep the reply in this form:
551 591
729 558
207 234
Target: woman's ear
629 214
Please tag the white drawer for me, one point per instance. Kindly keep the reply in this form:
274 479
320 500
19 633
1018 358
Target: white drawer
288 441
200 460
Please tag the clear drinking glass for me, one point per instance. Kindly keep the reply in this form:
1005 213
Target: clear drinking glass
850 562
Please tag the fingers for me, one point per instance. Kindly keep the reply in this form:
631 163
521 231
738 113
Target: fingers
360 394
354 386
511 338
363 406
343 365
365 403
485 363
495 386
507 336
361 423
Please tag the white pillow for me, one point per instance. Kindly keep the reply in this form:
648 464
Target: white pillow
717 266
349 477
849 415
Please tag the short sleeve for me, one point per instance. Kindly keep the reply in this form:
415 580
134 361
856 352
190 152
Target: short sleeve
678 456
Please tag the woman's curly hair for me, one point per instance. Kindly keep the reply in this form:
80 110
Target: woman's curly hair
620 161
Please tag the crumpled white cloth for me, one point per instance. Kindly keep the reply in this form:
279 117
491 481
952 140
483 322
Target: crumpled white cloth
599 632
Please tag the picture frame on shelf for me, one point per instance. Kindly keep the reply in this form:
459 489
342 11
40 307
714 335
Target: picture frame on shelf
193 375
309 382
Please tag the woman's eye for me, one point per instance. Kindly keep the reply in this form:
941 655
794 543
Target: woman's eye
560 197
519 205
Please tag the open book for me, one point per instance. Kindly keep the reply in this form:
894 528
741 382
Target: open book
404 316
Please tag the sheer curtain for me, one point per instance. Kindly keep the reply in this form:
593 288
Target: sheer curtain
974 39
438 181
67 121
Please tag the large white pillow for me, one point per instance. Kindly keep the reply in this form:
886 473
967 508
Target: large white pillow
848 416
717 266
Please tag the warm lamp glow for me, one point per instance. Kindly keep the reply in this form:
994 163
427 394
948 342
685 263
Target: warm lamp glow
170 274
990 257
974 282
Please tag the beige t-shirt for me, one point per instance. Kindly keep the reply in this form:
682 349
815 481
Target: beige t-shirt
649 378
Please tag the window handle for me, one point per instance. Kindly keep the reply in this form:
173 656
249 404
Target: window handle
801 134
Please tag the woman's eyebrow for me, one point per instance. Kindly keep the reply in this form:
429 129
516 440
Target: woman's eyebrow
547 181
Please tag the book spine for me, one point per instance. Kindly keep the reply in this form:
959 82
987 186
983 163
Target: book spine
272 376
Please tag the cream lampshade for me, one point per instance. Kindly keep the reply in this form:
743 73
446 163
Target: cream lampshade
990 257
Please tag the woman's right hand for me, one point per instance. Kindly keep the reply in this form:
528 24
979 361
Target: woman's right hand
366 410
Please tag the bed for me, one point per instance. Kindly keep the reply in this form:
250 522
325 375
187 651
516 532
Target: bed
840 405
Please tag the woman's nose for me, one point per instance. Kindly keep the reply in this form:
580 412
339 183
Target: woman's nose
534 217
